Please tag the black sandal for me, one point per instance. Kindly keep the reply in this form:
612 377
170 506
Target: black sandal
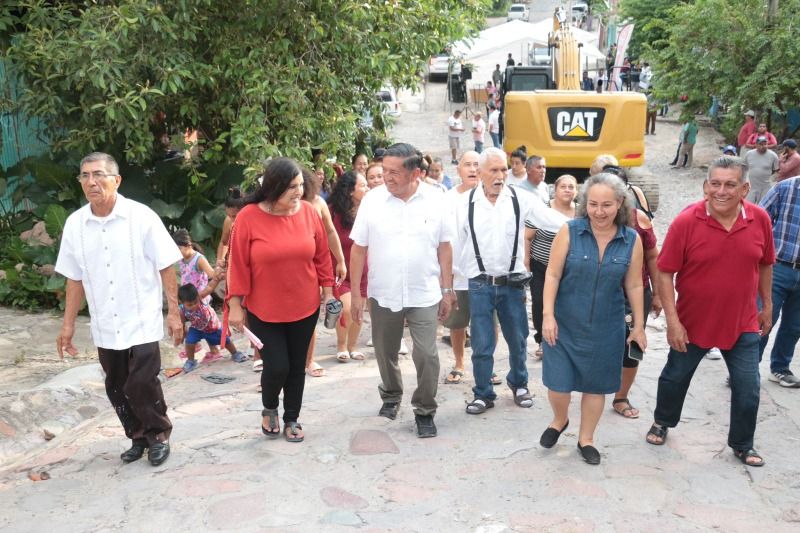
479 406
274 430
522 400
625 410
744 455
658 432
290 432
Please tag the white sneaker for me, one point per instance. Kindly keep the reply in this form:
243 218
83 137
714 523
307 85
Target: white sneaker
785 379
714 354
403 348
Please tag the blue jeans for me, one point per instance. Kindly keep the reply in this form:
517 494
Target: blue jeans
495 139
786 305
484 300
479 146
742 362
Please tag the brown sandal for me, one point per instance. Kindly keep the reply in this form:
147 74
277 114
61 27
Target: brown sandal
626 412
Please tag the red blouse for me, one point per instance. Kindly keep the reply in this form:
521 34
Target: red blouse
278 263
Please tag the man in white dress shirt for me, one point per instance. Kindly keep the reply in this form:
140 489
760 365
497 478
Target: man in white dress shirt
490 227
402 230
118 255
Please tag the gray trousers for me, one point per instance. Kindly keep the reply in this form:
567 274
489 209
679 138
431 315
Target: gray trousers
387 331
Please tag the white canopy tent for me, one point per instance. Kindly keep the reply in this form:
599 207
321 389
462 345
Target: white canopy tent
493 45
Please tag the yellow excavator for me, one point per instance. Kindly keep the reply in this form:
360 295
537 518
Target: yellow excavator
545 110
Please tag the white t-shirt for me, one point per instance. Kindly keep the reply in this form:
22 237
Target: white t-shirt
453 122
494 121
402 240
511 179
540 191
118 259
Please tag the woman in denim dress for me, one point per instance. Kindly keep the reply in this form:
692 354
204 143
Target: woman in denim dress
596 259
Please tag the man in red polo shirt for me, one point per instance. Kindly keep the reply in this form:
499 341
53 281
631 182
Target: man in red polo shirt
721 253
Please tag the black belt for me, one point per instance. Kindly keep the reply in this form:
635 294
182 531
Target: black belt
795 266
492 280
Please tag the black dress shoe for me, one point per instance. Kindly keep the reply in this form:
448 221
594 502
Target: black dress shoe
389 410
425 426
135 452
551 435
158 453
589 454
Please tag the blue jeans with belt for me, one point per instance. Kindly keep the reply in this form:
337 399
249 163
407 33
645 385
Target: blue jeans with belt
786 305
509 302
742 362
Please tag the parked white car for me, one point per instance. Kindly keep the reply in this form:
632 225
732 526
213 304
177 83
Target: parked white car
388 97
518 12
438 65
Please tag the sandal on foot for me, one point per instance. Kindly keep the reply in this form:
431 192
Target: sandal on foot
343 357
357 356
291 434
522 397
659 432
454 377
627 412
478 406
496 380
315 370
744 455
258 365
274 429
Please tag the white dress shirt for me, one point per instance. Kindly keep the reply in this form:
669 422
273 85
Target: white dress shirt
402 240
495 227
118 259
452 199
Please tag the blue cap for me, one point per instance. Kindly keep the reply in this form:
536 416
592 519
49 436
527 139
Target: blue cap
730 148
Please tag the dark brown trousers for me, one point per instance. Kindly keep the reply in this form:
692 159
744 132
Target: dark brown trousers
134 390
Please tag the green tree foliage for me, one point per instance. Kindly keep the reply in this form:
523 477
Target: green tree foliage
255 77
726 48
653 19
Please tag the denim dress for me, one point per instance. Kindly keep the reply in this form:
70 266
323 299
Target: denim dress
590 314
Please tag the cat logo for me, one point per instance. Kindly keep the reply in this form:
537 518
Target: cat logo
576 123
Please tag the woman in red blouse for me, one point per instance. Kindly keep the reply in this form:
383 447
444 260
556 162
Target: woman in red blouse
278 261
343 203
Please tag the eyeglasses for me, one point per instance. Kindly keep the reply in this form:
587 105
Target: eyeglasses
96 176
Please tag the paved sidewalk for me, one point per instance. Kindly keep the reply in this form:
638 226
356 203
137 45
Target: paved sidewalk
483 473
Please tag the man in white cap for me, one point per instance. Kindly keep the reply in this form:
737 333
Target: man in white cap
747 129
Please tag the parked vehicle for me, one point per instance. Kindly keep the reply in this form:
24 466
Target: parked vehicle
518 12
439 65
388 97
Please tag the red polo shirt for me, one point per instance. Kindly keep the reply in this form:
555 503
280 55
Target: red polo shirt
717 272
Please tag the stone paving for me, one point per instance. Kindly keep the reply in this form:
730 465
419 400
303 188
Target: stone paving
356 470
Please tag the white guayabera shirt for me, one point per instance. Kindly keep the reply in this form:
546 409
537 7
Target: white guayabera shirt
118 259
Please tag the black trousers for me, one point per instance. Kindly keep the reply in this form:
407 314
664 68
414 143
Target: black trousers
537 296
134 390
284 355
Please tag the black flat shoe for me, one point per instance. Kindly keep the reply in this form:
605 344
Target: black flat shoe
158 453
135 452
551 435
389 410
589 454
